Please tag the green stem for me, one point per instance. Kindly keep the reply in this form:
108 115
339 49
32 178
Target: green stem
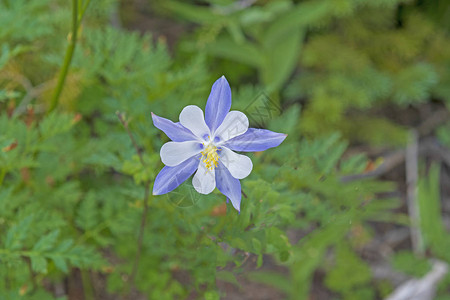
68 57
83 10
87 285
2 176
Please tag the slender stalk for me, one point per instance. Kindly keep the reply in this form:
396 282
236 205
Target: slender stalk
87 285
2 176
141 233
32 275
145 212
69 54
412 170
82 10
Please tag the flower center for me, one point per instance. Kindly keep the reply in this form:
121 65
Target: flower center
210 156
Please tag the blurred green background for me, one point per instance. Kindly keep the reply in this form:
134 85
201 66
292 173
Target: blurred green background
352 205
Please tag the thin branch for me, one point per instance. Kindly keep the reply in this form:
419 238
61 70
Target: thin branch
235 7
412 174
428 146
32 274
436 119
389 162
141 232
135 145
82 10
146 196
88 290
31 94
423 288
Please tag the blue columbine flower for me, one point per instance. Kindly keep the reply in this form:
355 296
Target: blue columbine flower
206 145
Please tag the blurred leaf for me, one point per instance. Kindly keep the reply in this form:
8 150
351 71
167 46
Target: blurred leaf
410 264
413 84
276 280
18 233
245 52
228 277
349 266
430 218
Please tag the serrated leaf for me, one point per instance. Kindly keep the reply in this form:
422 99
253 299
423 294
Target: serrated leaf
64 245
259 261
60 264
87 212
38 264
413 84
349 266
256 245
279 281
17 233
46 242
54 124
228 277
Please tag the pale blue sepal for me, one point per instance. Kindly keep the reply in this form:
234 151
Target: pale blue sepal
254 140
169 178
228 185
218 104
175 131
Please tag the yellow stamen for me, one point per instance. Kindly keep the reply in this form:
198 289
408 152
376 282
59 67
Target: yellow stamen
210 156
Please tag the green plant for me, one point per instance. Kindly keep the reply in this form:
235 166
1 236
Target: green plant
75 181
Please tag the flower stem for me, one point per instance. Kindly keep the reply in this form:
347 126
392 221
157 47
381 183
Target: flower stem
87 285
82 10
2 176
145 212
76 20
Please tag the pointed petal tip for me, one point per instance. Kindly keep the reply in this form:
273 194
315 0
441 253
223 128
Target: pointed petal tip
236 208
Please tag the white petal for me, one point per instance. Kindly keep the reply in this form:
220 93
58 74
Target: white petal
239 165
234 124
192 118
174 153
204 180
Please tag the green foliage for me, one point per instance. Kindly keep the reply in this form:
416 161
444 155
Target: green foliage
430 219
443 133
351 53
272 279
366 61
357 275
24 29
72 187
272 48
410 264
337 217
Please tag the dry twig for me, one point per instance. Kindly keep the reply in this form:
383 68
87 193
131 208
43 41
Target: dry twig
421 289
412 174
